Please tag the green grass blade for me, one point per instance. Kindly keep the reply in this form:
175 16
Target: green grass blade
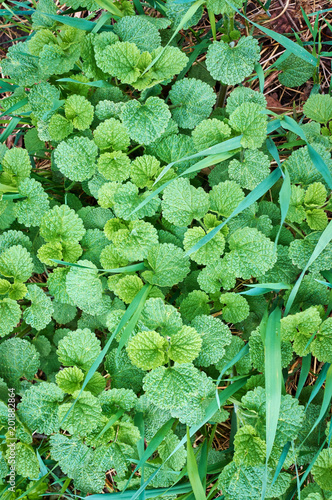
193 474
15 107
322 243
153 445
110 7
260 74
273 381
318 384
133 320
206 162
126 269
127 495
253 196
237 357
222 147
139 422
188 15
281 461
306 363
9 129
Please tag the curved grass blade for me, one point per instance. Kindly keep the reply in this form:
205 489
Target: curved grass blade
206 162
193 474
261 288
188 15
126 269
9 129
133 320
222 147
110 7
260 73
127 495
322 243
152 446
253 196
139 422
233 361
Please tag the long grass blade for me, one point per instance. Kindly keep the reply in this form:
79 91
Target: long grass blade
306 363
273 381
110 7
193 474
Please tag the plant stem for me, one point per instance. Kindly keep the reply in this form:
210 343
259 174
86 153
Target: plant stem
221 96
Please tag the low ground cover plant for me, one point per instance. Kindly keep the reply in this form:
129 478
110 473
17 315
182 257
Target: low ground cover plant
143 303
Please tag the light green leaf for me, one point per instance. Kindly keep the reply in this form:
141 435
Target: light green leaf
147 350
145 122
232 64
193 100
182 202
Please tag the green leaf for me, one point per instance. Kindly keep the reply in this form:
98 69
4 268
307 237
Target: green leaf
235 308
251 171
79 111
193 101
76 158
38 408
140 31
225 197
39 313
182 202
251 253
80 348
147 350
84 288
319 108
145 122
18 358
167 265
249 120
10 313
16 262
232 64
85 415
185 345
172 387
295 71
322 469
250 450
111 134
